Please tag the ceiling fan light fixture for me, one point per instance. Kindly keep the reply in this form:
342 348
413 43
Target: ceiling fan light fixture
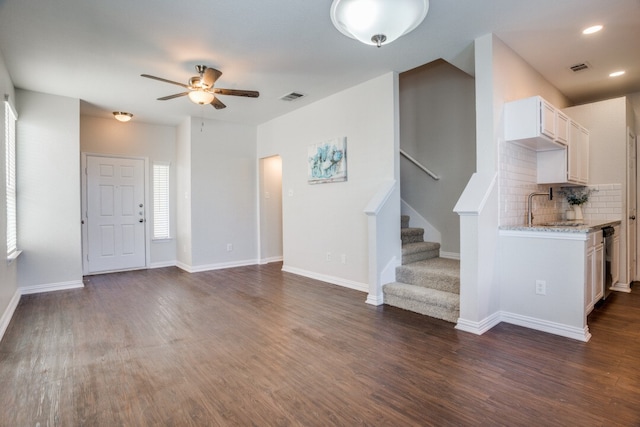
121 116
377 22
201 97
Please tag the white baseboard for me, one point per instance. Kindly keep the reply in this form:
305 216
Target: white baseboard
218 266
374 299
271 259
50 287
363 287
580 334
450 255
478 328
621 287
163 264
5 319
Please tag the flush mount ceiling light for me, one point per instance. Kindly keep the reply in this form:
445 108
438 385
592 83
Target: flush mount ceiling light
201 97
377 22
616 74
122 116
592 29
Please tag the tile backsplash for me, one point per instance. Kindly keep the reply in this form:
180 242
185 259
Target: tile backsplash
517 179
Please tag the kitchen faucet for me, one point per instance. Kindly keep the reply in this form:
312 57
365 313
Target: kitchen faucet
530 207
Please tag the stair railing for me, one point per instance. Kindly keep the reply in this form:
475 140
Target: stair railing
419 165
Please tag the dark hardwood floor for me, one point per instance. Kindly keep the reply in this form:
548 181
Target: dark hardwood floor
254 346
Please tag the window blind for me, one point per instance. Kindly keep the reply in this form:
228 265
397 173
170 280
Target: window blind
10 158
161 223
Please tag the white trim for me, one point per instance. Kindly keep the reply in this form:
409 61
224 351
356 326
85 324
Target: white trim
50 287
218 266
478 328
362 287
272 259
450 255
378 200
163 264
8 313
621 287
546 326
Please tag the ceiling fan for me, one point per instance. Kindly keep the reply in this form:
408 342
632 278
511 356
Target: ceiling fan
201 90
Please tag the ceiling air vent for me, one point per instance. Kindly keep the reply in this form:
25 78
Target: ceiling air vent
292 96
579 67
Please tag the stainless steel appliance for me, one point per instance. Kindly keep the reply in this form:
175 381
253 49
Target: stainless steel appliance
607 235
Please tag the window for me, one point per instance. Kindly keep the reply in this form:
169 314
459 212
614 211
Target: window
161 223
10 118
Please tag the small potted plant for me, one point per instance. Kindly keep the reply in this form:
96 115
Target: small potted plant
576 197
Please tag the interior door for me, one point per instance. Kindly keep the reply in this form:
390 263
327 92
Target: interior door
631 206
115 214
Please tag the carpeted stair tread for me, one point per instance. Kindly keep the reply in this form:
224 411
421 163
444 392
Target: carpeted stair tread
427 301
438 273
412 248
419 251
411 235
404 221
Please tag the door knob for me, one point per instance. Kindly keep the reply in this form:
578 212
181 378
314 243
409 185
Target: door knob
632 217
141 220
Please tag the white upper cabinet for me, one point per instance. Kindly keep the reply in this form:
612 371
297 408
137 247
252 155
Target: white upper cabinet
562 128
562 144
532 123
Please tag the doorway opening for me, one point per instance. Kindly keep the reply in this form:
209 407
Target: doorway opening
270 205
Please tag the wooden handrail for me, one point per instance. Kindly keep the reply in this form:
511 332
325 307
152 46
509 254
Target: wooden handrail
418 164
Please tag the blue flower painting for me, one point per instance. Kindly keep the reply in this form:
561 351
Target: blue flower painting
328 161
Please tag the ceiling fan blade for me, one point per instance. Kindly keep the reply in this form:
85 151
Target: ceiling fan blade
164 80
237 92
217 104
210 76
177 95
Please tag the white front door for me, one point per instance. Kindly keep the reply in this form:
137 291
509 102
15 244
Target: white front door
115 214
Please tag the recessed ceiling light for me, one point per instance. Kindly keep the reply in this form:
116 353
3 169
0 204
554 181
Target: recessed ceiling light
592 29
616 74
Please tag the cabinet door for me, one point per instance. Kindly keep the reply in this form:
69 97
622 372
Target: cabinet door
615 258
547 119
588 286
598 273
583 156
572 158
562 128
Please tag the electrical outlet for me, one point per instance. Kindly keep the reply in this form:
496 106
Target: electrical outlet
541 287
328 257
229 247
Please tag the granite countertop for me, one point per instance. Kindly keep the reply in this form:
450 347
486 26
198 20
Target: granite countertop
565 226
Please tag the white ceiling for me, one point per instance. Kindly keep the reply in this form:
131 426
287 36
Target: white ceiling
96 50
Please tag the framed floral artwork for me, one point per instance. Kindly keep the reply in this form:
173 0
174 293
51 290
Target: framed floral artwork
327 161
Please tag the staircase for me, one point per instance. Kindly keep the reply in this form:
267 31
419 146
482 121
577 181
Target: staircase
426 283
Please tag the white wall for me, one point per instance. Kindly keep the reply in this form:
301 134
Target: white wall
223 194
134 139
8 272
183 197
48 179
270 205
328 218
437 128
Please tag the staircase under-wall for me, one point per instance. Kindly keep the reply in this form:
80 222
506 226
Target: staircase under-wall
426 283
